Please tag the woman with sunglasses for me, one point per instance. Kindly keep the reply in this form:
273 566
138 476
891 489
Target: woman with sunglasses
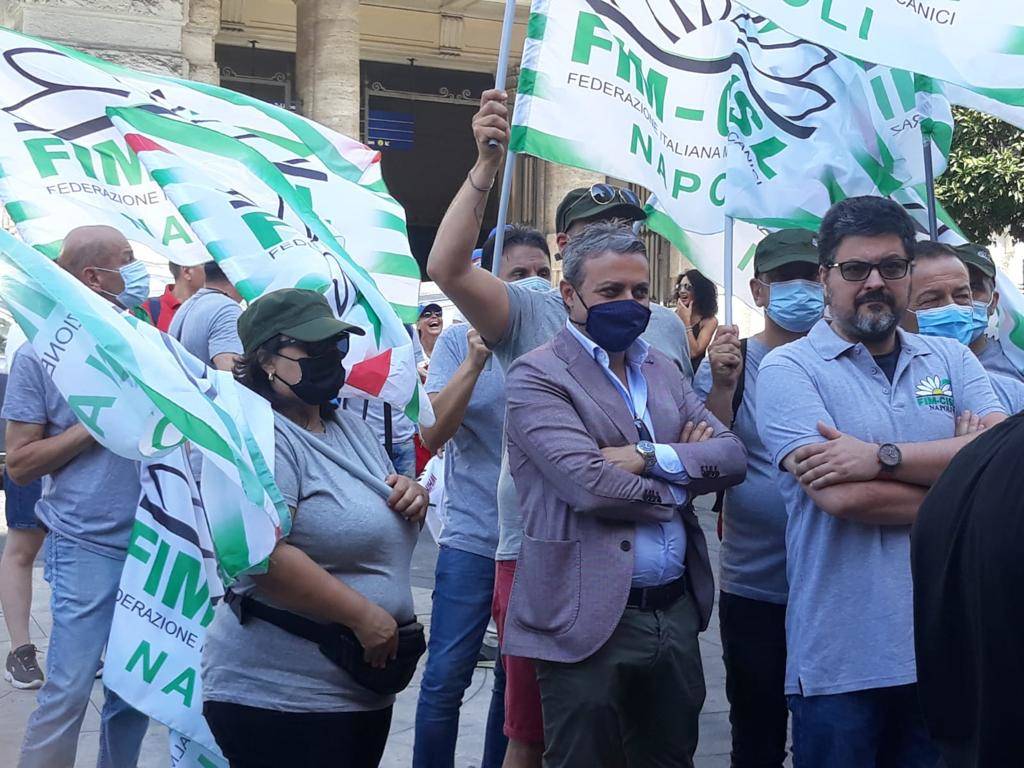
697 305
271 697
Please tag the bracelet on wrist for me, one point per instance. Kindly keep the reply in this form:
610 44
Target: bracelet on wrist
472 183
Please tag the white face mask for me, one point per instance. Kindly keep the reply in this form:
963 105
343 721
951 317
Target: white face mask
135 277
535 283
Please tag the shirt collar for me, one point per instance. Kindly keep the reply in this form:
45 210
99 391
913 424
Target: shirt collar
636 354
169 298
831 345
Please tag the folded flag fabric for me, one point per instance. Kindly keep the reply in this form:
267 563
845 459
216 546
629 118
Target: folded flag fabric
64 163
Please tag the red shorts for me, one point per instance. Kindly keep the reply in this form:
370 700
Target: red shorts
523 720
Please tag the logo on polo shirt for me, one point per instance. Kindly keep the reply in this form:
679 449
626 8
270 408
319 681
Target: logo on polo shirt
935 394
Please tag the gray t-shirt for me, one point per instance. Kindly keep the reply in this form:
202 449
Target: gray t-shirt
534 317
91 499
346 527
850 619
753 556
473 455
1010 392
994 360
207 325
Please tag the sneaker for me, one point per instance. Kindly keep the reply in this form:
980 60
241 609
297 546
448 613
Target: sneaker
487 656
22 670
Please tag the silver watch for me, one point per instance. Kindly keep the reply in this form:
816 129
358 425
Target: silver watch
646 449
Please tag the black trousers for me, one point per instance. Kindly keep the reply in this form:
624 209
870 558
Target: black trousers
262 738
754 651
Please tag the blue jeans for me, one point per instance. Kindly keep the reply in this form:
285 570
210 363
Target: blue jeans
463 591
876 728
84 586
403 456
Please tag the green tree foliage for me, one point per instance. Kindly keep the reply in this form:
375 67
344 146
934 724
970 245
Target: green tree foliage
983 188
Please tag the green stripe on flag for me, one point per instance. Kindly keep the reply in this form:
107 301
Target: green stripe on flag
295 147
1013 43
22 210
390 221
1013 97
799 219
534 83
536 26
397 264
549 147
26 325
408 315
747 258
50 250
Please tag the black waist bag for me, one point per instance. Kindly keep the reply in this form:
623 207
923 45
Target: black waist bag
340 644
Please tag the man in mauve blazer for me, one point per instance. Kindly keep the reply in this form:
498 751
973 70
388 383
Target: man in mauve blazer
607 450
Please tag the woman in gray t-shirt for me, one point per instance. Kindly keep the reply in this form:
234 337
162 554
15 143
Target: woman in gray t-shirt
270 697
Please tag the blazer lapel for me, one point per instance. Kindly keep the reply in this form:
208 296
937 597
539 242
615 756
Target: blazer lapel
594 382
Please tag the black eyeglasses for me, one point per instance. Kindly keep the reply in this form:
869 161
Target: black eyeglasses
431 313
859 271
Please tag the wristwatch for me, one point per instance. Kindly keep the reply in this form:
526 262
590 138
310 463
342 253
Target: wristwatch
646 449
889 456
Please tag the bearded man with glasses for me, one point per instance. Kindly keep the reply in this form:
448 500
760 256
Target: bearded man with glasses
860 419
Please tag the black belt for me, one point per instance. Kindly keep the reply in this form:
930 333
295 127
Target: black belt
657 598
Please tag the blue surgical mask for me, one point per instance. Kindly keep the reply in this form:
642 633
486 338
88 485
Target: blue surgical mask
952 321
980 319
796 305
615 325
535 283
136 284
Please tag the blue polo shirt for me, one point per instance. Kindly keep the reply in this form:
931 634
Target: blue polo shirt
1010 392
849 625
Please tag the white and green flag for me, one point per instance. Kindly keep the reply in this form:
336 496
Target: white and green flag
808 127
64 163
142 396
165 603
717 110
977 44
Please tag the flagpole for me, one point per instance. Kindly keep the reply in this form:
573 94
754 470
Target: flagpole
727 282
500 76
929 181
506 194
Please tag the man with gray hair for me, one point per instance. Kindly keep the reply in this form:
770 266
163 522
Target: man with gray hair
88 506
608 445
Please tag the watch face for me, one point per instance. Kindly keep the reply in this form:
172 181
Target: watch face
645 447
889 455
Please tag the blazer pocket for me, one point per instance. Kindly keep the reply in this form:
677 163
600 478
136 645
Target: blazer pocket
548 584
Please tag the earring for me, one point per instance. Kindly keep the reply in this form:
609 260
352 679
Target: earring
271 375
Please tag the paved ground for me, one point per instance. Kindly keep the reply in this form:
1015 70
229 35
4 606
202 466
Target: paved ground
15 706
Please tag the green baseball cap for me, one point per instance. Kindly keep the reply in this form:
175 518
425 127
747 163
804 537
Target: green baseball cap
785 247
301 314
600 200
974 255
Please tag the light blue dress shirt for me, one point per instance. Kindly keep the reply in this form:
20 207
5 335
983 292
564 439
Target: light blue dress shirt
659 549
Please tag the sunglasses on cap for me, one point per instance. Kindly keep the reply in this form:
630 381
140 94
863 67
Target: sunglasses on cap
606 194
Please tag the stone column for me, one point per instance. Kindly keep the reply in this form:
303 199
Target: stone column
327 62
197 36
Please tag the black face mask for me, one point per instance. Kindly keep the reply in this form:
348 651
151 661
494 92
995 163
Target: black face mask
322 377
